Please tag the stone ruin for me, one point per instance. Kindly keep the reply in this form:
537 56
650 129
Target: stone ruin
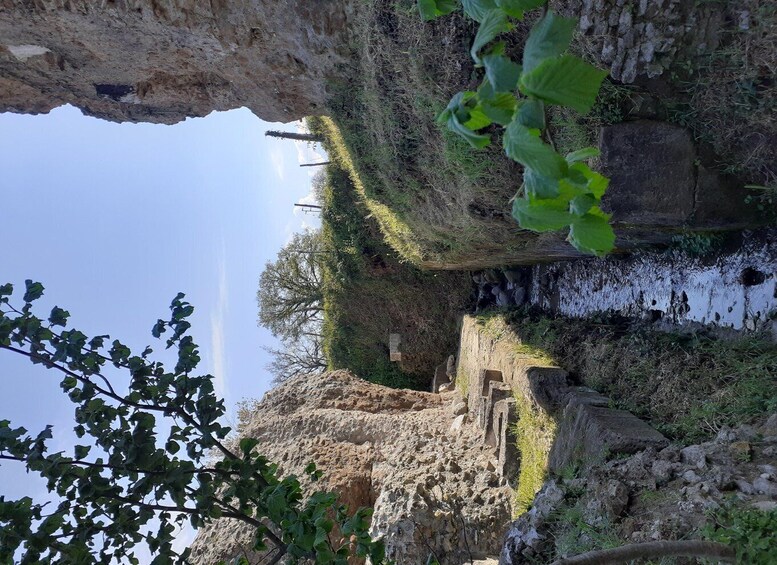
587 428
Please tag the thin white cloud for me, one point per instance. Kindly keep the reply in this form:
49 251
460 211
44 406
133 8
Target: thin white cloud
278 162
217 333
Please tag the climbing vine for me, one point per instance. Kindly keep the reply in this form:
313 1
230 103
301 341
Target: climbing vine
558 191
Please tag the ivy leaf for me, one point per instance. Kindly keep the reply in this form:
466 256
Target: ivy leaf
566 80
172 447
82 451
582 154
431 9
247 444
541 215
502 73
477 9
592 233
34 290
532 113
494 22
158 329
528 149
548 38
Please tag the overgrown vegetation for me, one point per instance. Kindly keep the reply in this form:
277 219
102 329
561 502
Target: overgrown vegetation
687 386
752 533
369 292
453 202
728 97
558 191
534 430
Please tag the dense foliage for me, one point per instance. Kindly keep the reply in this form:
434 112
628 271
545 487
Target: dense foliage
142 465
751 532
558 191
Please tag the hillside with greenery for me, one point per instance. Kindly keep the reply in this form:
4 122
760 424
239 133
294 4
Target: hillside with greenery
370 292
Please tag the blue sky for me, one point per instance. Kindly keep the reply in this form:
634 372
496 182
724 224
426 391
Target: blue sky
115 219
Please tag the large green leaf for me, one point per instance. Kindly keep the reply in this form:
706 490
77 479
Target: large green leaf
592 233
596 183
581 204
477 119
501 72
522 145
477 9
500 107
539 186
477 141
541 215
431 9
582 154
516 8
494 22
532 113
566 80
548 38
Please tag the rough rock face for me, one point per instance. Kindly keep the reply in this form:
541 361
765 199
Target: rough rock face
645 36
432 486
164 60
653 495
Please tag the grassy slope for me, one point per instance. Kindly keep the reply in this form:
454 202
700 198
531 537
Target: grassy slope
370 293
448 204
452 199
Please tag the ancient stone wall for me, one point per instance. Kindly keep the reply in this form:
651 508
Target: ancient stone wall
165 60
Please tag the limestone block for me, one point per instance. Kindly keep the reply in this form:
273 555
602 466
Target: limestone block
588 431
509 458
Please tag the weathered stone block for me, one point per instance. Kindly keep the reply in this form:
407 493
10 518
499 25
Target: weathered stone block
548 386
440 377
509 458
651 170
497 391
479 392
588 431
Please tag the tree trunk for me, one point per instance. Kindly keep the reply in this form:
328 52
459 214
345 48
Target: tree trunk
296 136
315 164
653 550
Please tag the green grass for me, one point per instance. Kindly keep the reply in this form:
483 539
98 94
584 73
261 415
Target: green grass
534 430
687 386
440 203
728 97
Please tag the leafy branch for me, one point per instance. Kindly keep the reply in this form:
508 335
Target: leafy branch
127 485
